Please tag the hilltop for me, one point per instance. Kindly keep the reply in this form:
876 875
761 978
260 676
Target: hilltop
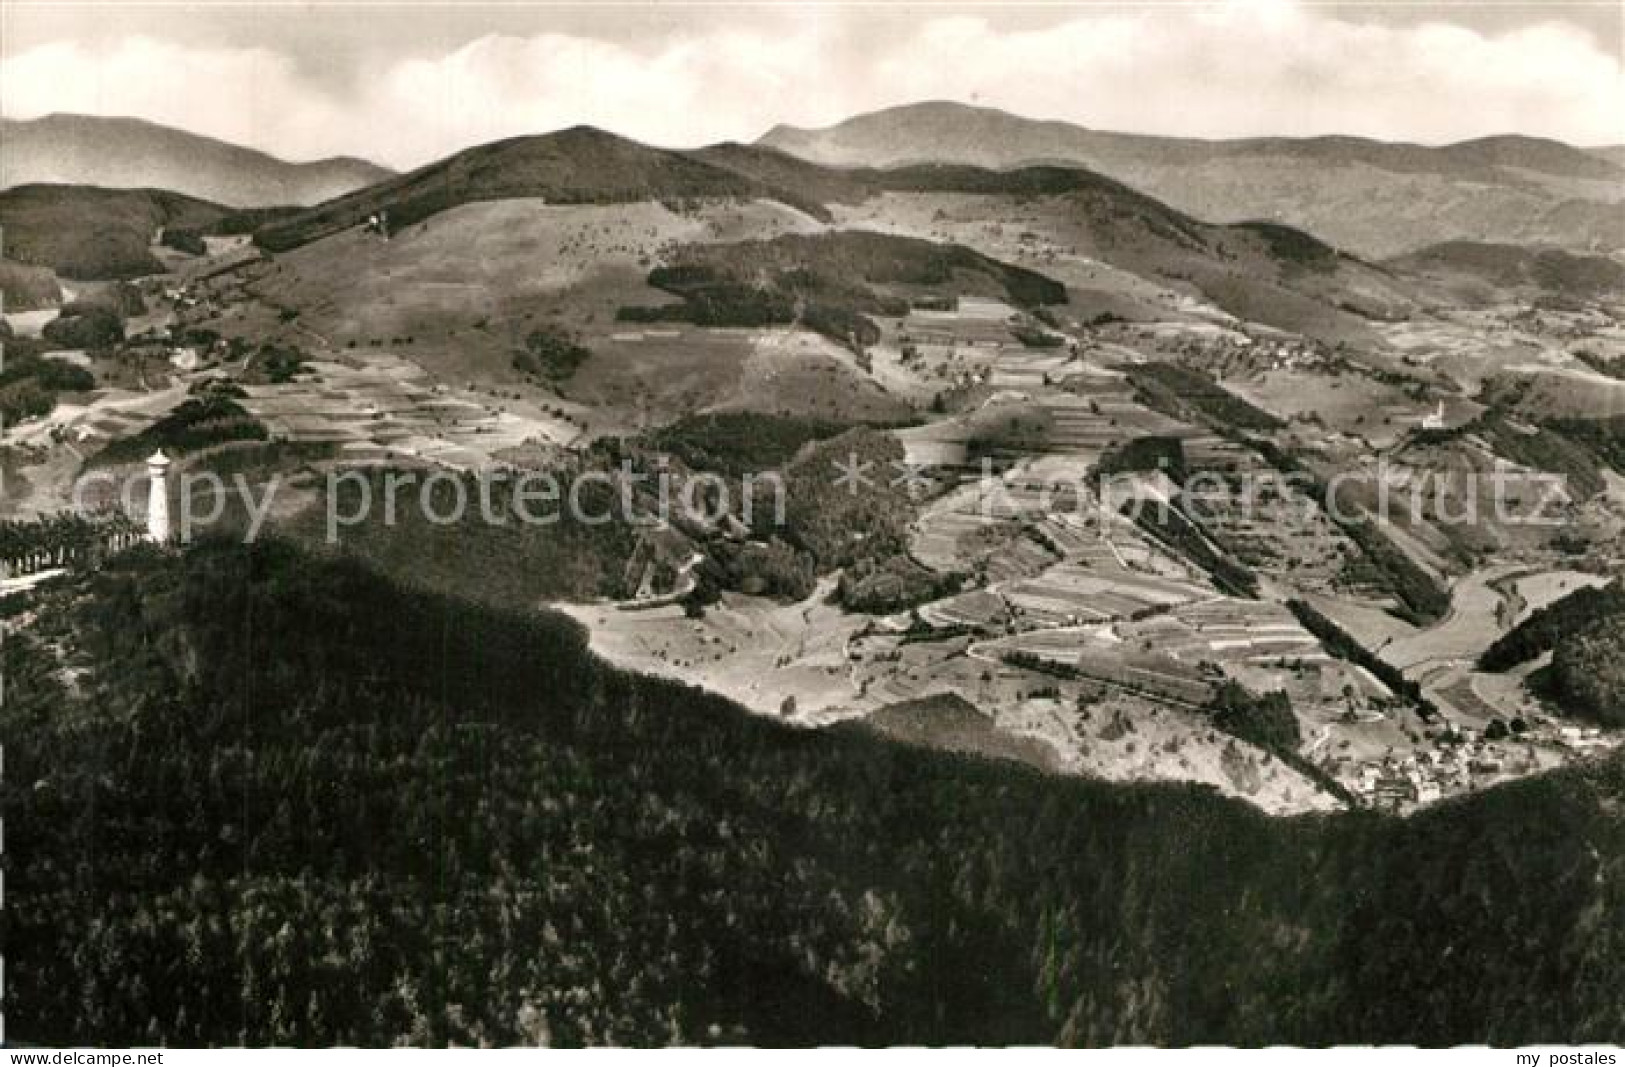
581 165
125 153
1373 197
1268 271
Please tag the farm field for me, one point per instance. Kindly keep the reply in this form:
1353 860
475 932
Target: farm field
1467 353
812 664
1531 592
1074 593
105 416
1566 392
966 527
47 455
931 352
1350 404
380 407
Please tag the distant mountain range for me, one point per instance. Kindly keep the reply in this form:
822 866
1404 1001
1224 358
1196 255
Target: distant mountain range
1371 197
1062 217
122 153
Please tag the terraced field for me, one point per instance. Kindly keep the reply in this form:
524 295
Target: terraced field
1071 593
1227 632
379 408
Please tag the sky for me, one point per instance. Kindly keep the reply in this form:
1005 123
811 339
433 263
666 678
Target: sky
407 83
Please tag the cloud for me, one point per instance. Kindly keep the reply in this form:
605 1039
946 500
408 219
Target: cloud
249 96
691 91
1275 68
1260 67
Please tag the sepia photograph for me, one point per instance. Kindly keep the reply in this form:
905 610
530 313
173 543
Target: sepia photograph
818 525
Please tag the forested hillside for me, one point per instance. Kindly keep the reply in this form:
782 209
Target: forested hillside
1585 633
326 809
84 232
831 282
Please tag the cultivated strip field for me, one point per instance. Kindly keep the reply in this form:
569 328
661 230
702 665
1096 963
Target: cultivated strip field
379 407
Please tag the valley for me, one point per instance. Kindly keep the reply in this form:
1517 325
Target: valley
1120 482
705 525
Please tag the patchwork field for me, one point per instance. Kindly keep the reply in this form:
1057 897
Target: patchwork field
378 408
1469 347
1566 392
1345 403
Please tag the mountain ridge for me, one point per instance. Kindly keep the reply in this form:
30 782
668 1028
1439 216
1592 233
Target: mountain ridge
1262 268
1373 197
577 165
130 153
1556 157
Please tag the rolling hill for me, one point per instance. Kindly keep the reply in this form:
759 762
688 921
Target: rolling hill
1265 271
942 131
581 165
1090 232
1472 268
84 232
1372 197
123 153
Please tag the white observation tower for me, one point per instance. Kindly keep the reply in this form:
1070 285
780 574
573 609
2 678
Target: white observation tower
158 497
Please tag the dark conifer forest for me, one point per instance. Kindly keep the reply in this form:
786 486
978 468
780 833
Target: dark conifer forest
253 797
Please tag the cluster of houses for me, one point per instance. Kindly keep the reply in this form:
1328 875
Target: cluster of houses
1223 351
1399 783
1583 738
159 344
1288 355
1402 782
182 296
